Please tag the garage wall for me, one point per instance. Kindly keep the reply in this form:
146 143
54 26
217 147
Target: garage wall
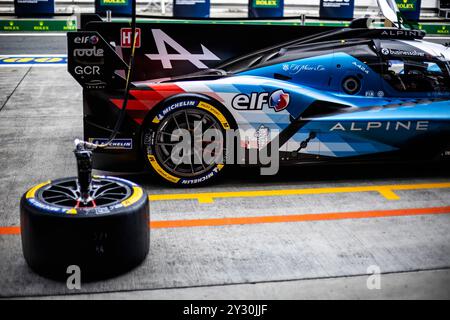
309 7
429 4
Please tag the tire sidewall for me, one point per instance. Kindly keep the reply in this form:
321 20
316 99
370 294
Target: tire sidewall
150 129
102 245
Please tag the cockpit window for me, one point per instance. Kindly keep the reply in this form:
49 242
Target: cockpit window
407 75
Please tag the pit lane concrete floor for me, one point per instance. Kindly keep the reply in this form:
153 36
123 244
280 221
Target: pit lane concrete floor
308 232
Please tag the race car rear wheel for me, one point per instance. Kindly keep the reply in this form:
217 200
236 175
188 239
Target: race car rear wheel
186 166
104 237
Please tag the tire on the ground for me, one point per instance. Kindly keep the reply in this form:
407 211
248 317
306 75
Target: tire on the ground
103 241
151 128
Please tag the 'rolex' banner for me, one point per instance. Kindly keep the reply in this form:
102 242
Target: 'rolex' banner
410 8
265 8
117 7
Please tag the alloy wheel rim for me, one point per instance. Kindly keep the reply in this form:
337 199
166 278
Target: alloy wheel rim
104 192
165 141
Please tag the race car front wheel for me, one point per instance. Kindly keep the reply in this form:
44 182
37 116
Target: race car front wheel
185 142
104 237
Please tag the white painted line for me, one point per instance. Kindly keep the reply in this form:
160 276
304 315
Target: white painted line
53 65
58 55
34 34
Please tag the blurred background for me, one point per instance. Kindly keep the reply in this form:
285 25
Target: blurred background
227 8
60 15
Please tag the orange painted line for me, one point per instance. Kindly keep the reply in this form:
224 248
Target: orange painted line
297 218
9 230
162 224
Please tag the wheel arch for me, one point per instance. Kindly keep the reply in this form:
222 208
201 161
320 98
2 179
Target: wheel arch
148 118
179 96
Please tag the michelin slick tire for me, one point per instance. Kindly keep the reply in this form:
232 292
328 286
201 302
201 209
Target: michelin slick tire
103 239
181 112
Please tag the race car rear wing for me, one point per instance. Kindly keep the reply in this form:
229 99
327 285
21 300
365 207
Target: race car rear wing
98 54
93 62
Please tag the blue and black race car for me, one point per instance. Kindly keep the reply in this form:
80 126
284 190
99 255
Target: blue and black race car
352 94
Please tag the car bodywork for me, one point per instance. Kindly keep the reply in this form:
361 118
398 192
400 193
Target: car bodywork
350 94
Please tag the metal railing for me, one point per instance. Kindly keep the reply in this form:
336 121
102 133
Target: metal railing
444 8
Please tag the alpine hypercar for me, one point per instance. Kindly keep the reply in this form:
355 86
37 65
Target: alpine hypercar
351 94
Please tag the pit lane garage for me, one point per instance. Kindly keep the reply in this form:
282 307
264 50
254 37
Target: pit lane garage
358 209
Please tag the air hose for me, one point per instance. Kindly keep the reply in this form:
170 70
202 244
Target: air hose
83 149
84 145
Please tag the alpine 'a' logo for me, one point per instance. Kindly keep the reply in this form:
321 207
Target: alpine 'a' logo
161 39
